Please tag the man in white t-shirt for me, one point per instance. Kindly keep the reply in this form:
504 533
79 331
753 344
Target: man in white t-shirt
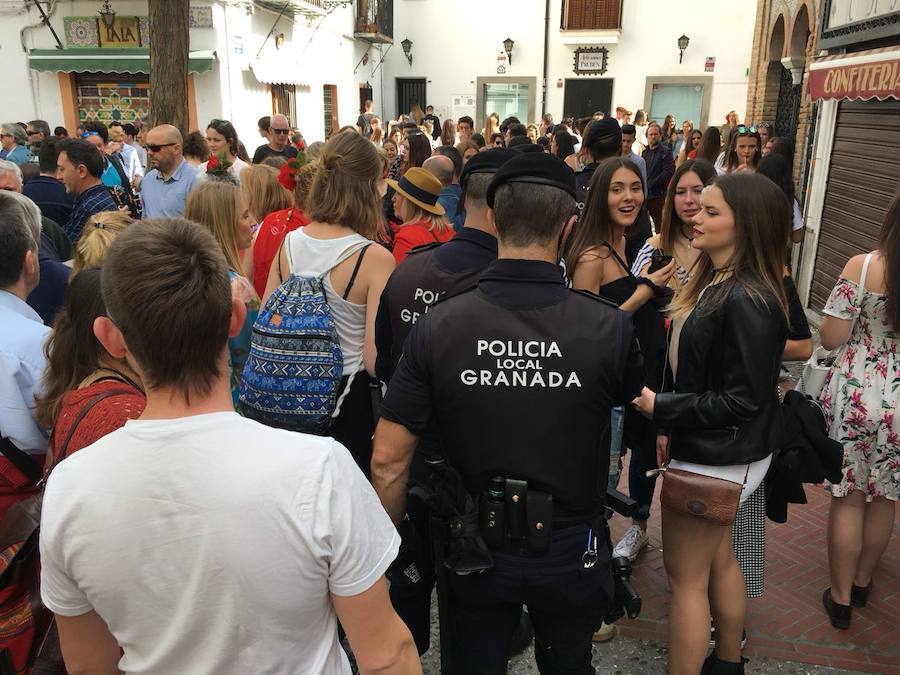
197 541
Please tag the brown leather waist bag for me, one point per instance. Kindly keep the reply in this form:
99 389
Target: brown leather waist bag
715 500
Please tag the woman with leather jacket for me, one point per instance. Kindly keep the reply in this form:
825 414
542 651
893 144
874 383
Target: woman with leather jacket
730 325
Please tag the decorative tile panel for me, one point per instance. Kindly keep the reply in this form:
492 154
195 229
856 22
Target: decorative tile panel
81 31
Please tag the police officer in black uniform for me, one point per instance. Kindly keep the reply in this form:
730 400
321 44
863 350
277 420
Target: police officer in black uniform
428 273
519 376
434 270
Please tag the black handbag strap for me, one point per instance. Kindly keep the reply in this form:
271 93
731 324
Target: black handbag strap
21 460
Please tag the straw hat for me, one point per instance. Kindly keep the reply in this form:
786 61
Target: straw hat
421 188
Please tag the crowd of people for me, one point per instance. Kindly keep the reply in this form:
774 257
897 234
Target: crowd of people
472 329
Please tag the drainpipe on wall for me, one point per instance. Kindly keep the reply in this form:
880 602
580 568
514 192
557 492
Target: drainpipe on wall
546 57
22 34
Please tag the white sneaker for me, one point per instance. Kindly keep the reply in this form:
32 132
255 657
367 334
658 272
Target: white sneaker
631 544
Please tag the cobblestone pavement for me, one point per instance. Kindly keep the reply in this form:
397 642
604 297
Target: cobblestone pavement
631 656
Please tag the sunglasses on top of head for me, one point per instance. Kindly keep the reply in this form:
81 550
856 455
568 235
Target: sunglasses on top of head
741 129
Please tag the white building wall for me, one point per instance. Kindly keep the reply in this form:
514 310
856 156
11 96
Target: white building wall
452 59
317 51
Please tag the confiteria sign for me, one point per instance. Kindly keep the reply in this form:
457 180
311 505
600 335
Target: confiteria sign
864 75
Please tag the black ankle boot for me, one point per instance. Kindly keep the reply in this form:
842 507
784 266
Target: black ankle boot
859 595
716 666
839 614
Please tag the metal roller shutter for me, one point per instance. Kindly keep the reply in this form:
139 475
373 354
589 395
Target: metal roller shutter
862 180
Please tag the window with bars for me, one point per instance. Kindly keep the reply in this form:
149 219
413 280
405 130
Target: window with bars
591 14
284 101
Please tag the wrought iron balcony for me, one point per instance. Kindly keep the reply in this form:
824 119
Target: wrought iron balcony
375 21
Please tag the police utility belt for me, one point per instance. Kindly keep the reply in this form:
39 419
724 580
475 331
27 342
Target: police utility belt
515 519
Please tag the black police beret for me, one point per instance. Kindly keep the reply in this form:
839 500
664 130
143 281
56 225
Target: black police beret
526 147
488 161
605 128
518 140
538 168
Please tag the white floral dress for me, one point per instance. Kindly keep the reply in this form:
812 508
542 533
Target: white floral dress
861 393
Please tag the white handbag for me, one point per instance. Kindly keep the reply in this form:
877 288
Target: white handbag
816 369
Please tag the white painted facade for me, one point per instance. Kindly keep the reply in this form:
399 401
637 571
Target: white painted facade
318 49
456 43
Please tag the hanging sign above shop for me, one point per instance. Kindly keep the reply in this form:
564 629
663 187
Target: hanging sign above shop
863 75
591 60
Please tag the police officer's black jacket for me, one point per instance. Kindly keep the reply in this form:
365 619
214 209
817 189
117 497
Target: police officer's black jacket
725 407
520 375
428 273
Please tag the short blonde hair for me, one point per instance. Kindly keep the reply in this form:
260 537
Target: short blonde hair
345 188
412 213
100 230
217 206
262 192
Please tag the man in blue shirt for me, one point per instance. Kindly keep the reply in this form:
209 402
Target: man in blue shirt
165 188
80 168
22 359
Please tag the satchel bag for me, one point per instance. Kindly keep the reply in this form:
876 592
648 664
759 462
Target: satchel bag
715 500
28 637
815 371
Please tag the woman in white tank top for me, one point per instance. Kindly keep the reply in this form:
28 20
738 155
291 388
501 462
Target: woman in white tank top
345 207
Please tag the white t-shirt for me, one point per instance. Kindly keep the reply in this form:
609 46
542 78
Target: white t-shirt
210 544
797 221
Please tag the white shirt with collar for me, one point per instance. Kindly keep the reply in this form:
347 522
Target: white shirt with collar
132 161
22 365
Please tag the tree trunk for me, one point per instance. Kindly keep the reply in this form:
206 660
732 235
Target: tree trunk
168 20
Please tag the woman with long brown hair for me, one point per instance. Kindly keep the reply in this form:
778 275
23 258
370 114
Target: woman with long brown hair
860 399
448 132
595 261
730 326
221 208
743 152
710 145
676 225
83 378
344 209
491 126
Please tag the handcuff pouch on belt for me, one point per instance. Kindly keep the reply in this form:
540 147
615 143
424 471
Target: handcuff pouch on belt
510 513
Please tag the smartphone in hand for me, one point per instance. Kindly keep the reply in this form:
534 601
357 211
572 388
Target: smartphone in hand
658 260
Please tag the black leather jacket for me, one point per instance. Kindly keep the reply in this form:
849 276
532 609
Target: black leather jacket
725 408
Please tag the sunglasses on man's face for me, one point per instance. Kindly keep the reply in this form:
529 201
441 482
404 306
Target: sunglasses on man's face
281 131
157 148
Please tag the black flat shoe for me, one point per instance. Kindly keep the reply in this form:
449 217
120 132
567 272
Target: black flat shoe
859 595
716 666
839 614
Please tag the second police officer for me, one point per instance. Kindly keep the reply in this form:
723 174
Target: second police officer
519 376
428 273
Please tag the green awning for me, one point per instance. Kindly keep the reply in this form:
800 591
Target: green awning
108 60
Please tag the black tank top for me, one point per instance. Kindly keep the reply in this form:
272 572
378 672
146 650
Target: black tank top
649 324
